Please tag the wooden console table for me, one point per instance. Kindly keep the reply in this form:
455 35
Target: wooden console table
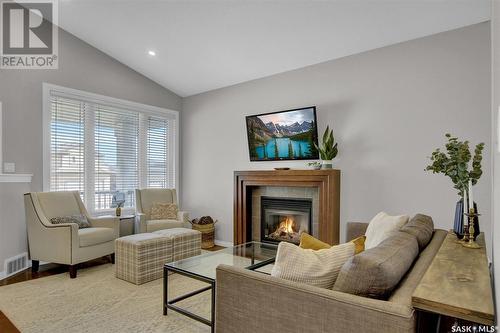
457 284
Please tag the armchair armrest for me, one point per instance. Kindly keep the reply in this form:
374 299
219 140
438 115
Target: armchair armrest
184 218
249 301
106 222
140 222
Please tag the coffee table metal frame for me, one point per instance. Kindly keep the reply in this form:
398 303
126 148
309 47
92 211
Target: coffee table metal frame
170 304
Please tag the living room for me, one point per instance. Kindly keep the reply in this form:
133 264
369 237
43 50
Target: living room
253 166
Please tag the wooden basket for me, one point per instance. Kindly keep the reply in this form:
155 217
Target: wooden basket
207 234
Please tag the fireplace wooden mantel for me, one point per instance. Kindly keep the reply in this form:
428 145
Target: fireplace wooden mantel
327 182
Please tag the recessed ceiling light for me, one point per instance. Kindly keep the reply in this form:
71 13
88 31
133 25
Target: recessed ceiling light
151 53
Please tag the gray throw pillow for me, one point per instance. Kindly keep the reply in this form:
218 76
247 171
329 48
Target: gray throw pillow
422 227
78 219
376 272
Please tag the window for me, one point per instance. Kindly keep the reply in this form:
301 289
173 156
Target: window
105 148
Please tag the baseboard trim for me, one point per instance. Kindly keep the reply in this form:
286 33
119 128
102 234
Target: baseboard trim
223 243
2 275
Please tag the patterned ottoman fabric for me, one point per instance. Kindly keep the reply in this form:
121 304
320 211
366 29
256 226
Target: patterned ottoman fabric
186 242
140 258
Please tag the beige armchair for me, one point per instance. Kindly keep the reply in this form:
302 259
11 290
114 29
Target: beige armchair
144 200
64 243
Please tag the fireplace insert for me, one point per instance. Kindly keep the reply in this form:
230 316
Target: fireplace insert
284 219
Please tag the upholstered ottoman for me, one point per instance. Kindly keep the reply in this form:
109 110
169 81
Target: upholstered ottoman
140 258
185 242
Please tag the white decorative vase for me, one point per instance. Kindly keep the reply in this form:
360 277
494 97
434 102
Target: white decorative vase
326 164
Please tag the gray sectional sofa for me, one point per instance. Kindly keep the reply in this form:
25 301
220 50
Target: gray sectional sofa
249 301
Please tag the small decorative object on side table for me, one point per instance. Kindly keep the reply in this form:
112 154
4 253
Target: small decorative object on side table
472 215
118 200
471 242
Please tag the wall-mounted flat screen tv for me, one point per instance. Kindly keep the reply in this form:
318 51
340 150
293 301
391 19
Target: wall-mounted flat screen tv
283 135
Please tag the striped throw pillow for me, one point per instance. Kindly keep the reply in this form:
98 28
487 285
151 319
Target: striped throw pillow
318 268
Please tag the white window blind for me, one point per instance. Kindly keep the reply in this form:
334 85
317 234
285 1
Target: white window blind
67 148
157 152
116 156
106 148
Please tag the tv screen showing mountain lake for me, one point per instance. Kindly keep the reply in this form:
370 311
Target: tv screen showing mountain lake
283 135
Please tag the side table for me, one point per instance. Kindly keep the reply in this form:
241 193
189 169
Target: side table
126 224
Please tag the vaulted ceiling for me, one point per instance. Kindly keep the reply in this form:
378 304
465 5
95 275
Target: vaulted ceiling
208 44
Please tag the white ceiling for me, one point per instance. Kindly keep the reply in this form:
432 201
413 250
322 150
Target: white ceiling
206 44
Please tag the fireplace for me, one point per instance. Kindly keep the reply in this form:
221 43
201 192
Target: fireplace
284 219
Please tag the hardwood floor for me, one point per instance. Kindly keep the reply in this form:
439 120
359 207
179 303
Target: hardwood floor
48 270
6 325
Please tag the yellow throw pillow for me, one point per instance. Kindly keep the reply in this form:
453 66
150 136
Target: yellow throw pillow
164 211
359 244
309 242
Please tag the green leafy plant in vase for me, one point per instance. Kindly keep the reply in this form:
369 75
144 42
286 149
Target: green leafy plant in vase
455 163
328 149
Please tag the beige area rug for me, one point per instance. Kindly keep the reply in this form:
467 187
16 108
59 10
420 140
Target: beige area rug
96 301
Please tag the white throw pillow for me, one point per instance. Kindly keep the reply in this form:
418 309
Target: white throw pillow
381 226
317 268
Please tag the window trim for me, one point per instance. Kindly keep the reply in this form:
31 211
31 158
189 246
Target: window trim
52 89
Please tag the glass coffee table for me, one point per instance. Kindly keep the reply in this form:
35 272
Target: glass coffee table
251 256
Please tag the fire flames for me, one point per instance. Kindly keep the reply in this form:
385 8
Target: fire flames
286 225
286 230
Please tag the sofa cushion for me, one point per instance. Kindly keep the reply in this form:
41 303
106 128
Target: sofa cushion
381 226
406 287
154 225
175 232
317 268
166 211
422 227
94 236
376 271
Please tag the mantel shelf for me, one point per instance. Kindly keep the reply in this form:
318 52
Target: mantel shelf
15 178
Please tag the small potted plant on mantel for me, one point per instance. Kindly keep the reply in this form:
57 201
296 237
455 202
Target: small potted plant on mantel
328 149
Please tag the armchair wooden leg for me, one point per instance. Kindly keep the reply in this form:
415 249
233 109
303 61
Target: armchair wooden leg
112 258
72 271
35 265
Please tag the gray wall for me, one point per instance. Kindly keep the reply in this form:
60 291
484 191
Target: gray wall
81 67
389 108
495 47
